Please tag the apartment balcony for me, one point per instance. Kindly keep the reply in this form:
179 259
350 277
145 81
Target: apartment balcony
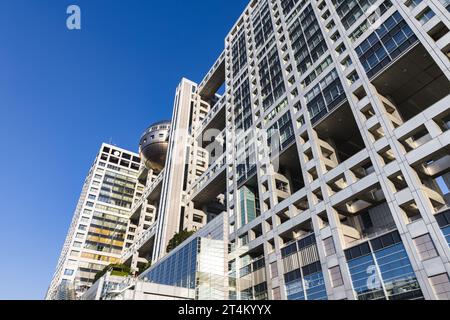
139 243
152 191
215 119
211 183
426 140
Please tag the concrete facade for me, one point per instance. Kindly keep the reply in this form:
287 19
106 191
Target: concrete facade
96 235
341 184
321 134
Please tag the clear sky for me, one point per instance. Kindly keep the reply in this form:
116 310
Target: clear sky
63 93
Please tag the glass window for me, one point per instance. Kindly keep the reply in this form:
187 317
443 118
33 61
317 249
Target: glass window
336 276
294 285
441 286
425 247
68 272
365 279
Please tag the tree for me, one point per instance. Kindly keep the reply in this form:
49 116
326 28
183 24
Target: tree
145 267
178 239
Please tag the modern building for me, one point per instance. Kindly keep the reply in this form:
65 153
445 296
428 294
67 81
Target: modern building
353 100
321 136
97 233
195 270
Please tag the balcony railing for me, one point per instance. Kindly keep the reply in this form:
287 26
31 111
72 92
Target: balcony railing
143 237
211 173
214 110
147 192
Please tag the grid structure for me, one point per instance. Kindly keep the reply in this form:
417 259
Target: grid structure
321 135
327 150
97 233
352 98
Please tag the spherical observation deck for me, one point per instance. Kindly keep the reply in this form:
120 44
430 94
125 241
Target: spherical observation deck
153 145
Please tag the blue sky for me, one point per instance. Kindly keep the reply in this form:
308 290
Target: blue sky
63 93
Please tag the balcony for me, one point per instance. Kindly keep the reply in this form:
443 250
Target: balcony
215 119
214 79
211 178
138 243
155 185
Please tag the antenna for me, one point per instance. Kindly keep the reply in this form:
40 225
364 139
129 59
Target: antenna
111 142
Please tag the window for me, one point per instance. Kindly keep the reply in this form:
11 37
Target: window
336 277
388 253
425 16
239 54
281 133
443 220
276 294
271 78
328 244
392 38
441 286
274 269
425 247
446 4
68 272
325 96
307 40
74 253
262 24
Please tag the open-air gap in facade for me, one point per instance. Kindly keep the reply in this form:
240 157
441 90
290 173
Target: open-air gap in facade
327 176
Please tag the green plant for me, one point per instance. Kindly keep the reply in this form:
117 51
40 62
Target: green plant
119 270
178 239
145 267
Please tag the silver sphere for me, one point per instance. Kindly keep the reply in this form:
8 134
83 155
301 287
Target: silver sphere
153 145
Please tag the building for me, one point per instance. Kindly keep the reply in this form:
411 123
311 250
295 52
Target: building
97 233
321 136
328 149
195 270
353 98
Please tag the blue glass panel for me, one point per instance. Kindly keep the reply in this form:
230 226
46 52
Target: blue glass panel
294 285
446 232
397 273
385 44
179 269
362 270
315 287
294 290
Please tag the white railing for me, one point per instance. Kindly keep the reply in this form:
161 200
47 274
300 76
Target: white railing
214 110
147 192
142 238
209 174
212 70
